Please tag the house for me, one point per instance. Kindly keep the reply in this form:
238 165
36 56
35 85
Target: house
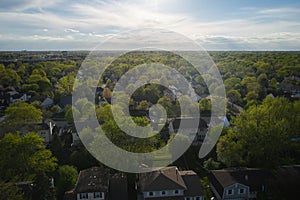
92 183
188 128
48 102
45 131
242 183
96 184
169 183
9 95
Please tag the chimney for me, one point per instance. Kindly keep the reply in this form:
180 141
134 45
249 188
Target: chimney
177 173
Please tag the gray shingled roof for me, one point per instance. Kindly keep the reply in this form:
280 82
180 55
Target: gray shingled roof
94 179
167 178
252 177
192 183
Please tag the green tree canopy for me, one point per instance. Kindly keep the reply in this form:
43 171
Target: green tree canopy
65 84
263 135
66 179
19 114
22 158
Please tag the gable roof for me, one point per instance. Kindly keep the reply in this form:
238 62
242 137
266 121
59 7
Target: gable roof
252 177
94 179
167 178
47 102
192 183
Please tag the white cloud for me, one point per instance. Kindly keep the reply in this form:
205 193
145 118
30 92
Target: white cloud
70 30
17 5
102 19
285 10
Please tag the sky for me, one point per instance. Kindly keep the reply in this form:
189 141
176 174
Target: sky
214 24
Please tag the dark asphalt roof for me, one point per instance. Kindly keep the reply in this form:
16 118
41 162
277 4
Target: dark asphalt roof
252 177
94 179
118 188
167 178
192 183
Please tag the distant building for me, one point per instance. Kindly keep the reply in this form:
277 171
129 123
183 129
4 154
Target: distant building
188 128
47 102
45 131
170 183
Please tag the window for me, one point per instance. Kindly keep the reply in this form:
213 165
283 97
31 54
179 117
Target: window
187 198
98 195
198 198
176 192
150 194
242 191
83 196
163 193
229 192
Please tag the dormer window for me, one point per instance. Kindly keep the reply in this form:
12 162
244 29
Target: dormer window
163 193
229 192
241 191
176 192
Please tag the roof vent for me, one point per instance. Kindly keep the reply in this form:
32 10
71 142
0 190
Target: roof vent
246 177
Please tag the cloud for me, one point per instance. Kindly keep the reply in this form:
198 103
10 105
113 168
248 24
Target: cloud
96 21
19 5
285 10
70 30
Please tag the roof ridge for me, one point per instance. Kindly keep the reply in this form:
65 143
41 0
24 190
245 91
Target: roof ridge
178 174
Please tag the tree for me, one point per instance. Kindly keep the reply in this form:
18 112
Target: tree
107 94
104 113
20 114
24 157
262 79
211 164
10 192
27 159
207 191
232 83
250 84
234 96
65 85
143 105
70 112
39 78
65 180
262 135
9 77
205 104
